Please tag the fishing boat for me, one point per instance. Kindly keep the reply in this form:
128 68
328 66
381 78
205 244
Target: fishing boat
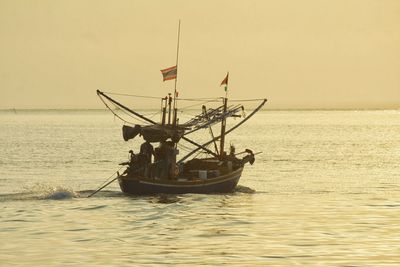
217 172
202 169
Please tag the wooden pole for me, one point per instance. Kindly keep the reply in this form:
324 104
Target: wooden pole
164 109
211 130
98 190
227 132
99 93
223 122
169 108
176 78
223 126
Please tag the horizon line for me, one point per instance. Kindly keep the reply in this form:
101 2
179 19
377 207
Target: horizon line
271 109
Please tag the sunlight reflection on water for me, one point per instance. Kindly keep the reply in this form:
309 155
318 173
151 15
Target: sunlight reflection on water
324 192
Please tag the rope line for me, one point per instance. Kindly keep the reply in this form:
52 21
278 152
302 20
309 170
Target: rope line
187 99
122 110
140 96
202 103
157 97
129 115
217 99
246 100
106 181
112 111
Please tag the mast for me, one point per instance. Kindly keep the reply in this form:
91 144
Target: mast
223 122
169 108
164 109
176 79
223 126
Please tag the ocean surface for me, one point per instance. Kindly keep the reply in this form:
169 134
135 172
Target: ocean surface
324 192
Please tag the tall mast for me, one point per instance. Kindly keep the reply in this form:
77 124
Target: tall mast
223 122
223 127
176 79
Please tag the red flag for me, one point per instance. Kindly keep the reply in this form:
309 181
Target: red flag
225 81
170 73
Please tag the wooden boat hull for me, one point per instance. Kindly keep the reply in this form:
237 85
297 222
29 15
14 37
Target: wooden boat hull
142 186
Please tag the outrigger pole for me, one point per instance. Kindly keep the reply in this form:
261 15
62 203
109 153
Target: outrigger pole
99 93
176 78
228 131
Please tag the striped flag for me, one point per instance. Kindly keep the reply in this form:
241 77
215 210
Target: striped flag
169 74
225 81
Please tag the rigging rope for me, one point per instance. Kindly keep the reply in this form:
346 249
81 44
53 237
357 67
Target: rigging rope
112 111
130 115
246 100
202 103
201 152
217 99
183 147
156 97
104 184
118 116
151 115
140 96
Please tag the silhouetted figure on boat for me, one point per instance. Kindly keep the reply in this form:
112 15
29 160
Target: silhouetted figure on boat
165 160
132 159
145 156
133 162
147 150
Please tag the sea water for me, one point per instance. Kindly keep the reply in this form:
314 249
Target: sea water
324 192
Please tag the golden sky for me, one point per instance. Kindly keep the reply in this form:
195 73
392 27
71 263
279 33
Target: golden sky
298 54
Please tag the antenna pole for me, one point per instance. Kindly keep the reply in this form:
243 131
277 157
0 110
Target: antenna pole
223 126
176 79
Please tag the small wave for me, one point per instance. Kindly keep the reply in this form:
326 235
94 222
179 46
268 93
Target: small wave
46 191
60 193
102 193
244 189
95 207
165 199
103 160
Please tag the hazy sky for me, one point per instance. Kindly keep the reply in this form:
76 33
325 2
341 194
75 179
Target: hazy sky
298 54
